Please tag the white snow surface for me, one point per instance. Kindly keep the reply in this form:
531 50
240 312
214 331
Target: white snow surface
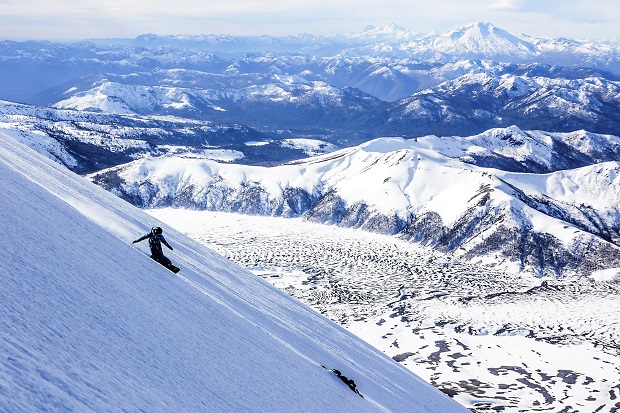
495 341
311 147
89 322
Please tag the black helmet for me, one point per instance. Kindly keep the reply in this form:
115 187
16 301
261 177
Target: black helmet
157 231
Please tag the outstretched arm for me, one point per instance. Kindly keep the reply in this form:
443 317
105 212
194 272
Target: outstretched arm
142 238
163 241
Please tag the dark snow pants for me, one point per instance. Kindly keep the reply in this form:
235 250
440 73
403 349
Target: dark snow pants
158 255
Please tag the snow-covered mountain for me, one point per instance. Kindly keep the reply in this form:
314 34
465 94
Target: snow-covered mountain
279 107
515 150
344 89
90 323
478 41
397 60
480 99
89 141
563 222
176 120
289 102
475 102
388 34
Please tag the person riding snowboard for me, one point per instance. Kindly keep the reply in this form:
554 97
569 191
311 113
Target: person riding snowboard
156 238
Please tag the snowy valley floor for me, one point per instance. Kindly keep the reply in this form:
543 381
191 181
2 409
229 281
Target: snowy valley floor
493 341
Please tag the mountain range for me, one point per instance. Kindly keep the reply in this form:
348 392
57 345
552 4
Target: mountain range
469 104
346 88
498 152
480 40
115 101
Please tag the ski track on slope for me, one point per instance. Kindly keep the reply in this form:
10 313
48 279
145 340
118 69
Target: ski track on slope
490 339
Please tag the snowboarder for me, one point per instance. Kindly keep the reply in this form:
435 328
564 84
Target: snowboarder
346 380
156 238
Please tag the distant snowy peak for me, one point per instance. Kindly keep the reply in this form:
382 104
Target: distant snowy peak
483 40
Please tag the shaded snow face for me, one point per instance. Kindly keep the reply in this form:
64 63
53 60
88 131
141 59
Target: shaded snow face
489 339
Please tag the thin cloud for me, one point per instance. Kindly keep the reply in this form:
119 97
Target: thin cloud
505 5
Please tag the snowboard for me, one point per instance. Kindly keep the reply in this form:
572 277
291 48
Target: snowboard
168 265
172 268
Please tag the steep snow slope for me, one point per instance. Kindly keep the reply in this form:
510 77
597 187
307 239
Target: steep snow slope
89 323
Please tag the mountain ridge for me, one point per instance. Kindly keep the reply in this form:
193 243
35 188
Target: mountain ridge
405 188
470 103
63 62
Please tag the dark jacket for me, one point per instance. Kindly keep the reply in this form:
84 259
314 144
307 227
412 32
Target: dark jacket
155 242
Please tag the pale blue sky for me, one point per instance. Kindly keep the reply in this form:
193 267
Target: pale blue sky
80 19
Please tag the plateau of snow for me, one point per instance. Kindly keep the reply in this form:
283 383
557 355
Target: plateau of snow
89 322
